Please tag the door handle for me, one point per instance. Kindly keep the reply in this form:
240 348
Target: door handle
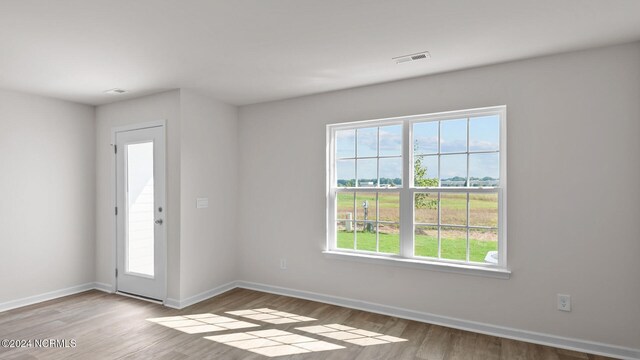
158 221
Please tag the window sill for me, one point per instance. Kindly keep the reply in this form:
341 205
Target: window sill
421 264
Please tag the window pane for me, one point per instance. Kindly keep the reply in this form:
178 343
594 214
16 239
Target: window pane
453 170
345 235
484 133
453 135
425 171
391 171
425 138
366 206
140 209
484 169
389 206
453 209
426 241
367 139
366 236
483 246
426 208
453 243
391 140
389 238
483 210
345 206
346 172
345 144
367 172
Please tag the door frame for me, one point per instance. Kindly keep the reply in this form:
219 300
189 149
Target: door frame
114 196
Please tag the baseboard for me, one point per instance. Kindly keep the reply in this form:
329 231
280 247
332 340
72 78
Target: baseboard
108 288
181 304
172 303
34 299
488 329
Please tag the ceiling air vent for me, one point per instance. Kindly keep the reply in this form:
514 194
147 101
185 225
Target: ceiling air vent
412 57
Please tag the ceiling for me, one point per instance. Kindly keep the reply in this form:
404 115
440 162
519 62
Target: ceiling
249 51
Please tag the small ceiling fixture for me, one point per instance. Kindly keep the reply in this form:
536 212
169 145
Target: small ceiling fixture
115 91
412 57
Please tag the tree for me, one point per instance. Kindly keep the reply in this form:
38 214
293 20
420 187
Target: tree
421 179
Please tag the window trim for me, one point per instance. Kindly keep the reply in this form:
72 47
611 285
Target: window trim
406 192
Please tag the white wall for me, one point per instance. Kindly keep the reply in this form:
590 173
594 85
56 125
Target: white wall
573 204
201 162
47 188
209 167
149 108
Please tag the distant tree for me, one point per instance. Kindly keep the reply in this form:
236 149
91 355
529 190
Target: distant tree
420 179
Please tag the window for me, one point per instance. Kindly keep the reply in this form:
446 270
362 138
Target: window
429 189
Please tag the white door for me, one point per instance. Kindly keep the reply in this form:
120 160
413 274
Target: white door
140 212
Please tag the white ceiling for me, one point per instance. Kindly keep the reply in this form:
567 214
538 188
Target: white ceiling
248 51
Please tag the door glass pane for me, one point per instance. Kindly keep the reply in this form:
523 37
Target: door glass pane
140 209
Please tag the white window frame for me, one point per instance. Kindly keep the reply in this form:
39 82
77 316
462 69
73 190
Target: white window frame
407 192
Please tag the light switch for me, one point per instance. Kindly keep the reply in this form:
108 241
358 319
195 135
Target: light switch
202 203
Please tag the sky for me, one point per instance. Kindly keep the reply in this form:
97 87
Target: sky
484 135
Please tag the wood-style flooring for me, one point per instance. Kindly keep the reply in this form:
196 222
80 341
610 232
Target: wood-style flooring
107 326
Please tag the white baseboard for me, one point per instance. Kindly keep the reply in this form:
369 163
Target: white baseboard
34 299
108 288
172 303
488 329
181 304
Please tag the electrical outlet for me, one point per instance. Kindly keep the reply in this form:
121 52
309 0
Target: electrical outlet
564 302
283 264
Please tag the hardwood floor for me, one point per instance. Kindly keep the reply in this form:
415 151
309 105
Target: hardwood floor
107 326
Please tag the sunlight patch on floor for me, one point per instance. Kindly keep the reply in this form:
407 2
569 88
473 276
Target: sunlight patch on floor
201 323
351 335
274 342
270 316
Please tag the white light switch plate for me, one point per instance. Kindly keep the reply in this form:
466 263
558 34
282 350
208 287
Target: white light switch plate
202 203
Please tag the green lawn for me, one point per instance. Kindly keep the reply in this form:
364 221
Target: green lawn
453 248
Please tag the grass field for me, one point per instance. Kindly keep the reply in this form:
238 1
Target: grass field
483 208
452 207
425 245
